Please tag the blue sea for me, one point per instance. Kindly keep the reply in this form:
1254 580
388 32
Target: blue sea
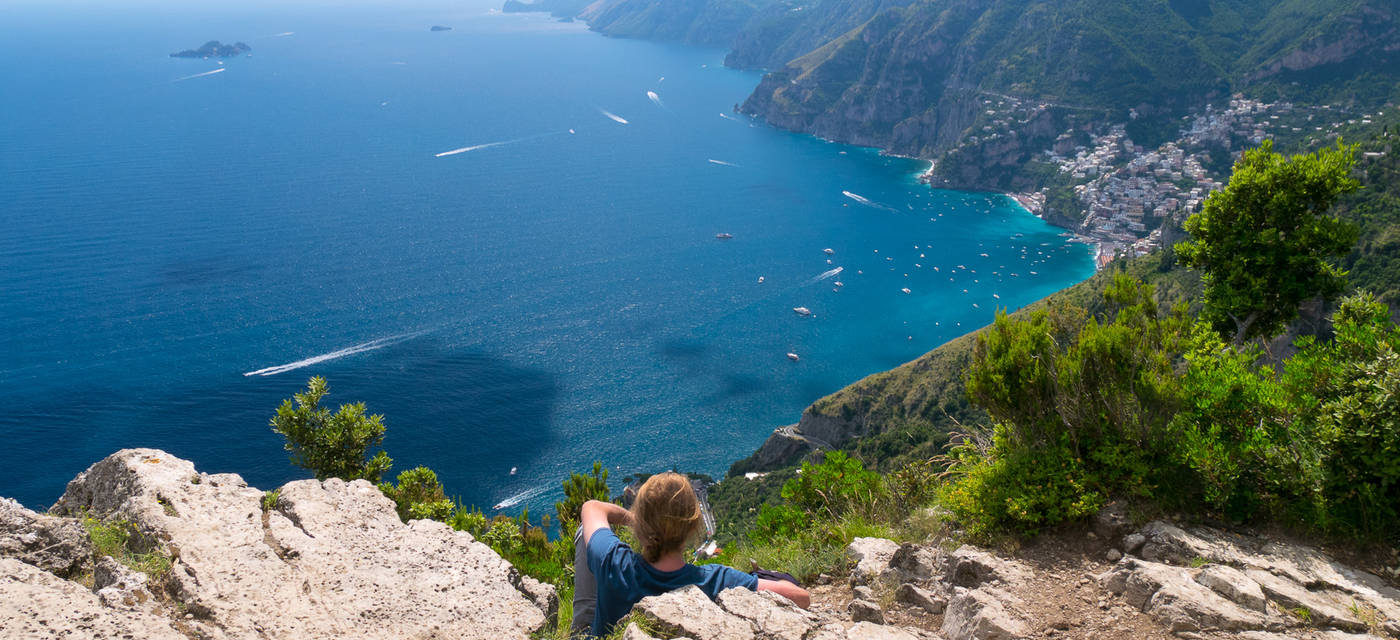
493 236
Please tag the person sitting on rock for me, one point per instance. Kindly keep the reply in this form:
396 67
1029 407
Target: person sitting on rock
609 577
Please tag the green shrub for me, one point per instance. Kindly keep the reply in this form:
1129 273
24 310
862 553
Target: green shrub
418 495
1350 388
1017 488
580 488
837 486
1235 431
331 445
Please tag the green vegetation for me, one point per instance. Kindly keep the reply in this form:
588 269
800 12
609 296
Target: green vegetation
270 498
1120 388
331 445
120 540
822 508
418 495
1262 243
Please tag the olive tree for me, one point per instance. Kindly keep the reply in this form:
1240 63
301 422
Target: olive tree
1262 243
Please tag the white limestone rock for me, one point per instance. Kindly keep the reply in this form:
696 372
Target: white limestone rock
871 557
773 616
865 611
1233 585
37 605
689 612
928 601
870 631
332 559
970 567
980 614
57 545
1172 596
915 562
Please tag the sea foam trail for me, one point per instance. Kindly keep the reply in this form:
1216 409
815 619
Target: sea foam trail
826 274
522 496
722 163
200 75
613 116
473 148
728 117
655 99
865 201
488 145
334 355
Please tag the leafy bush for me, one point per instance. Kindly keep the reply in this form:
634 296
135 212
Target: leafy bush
1018 488
418 495
331 445
838 486
1349 391
1235 431
578 489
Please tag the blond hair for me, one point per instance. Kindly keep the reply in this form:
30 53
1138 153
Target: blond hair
666 515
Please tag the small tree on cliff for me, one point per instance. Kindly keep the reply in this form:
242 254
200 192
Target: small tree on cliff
1262 243
331 445
578 489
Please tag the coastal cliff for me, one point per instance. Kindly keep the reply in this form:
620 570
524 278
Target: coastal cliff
144 545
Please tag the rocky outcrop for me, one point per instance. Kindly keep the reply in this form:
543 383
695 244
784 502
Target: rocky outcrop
57 545
1167 581
37 604
324 560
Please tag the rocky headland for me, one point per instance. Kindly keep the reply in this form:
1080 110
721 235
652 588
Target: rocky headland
214 49
206 556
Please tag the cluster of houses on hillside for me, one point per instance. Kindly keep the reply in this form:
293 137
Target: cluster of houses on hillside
1129 192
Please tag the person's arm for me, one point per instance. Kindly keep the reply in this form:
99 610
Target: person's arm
796 594
597 514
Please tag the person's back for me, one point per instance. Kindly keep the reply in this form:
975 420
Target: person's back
665 517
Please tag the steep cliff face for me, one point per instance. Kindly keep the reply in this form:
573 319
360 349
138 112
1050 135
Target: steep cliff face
707 23
915 79
787 31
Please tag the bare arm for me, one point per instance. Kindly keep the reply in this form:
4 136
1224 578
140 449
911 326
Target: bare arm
597 514
796 594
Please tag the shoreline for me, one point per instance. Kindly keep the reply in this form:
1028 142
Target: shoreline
1030 202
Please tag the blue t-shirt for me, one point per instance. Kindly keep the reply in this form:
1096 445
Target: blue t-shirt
624 578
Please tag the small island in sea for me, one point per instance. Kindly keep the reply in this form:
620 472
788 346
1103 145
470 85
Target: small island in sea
214 49
438 27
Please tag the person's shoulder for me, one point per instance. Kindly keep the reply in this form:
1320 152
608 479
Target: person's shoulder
607 548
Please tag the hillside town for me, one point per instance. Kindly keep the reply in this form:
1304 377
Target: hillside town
1128 192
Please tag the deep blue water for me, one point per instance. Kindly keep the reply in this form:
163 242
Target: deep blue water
539 304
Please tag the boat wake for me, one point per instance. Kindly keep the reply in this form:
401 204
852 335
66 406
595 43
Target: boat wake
200 75
521 497
866 201
474 147
335 355
722 163
728 117
613 116
655 99
488 145
825 275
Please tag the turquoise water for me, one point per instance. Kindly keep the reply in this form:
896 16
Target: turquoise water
558 298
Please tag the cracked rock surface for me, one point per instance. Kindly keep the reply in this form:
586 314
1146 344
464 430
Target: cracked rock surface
329 560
